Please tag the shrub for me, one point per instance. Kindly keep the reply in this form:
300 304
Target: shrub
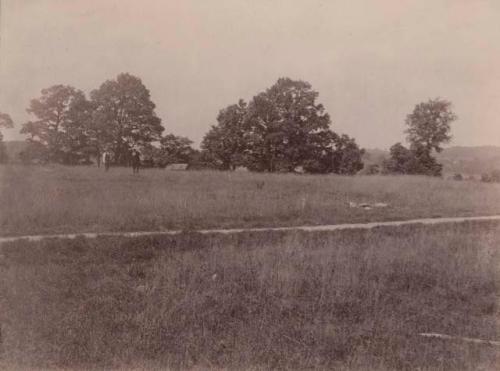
493 177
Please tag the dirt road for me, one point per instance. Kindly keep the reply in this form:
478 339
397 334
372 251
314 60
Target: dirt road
307 228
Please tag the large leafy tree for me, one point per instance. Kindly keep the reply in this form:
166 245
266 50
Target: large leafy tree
5 122
284 126
428 128
280 129
226 141
124 116
58 133
429 124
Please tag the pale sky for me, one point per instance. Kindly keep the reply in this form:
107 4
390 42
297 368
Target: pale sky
370 61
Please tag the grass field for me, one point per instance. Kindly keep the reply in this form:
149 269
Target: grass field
350 300
37 200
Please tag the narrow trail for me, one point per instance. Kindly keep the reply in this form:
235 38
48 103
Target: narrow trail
306 228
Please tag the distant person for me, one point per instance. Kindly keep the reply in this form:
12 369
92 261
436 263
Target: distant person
106 160
136 161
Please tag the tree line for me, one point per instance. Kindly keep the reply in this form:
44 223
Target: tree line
281 129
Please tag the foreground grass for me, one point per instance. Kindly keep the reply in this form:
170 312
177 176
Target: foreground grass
36 200
347 300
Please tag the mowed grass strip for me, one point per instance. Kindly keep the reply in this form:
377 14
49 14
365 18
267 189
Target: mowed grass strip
347 300
52 199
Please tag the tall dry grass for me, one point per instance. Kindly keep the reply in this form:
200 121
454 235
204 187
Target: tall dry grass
84 199
348 300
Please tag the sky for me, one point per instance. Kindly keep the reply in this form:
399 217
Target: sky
370 61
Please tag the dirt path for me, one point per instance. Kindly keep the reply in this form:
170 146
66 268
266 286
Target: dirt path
307 228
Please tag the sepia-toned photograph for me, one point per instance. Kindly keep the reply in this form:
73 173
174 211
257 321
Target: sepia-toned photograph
249 185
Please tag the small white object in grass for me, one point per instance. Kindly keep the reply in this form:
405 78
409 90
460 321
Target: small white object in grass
141 288
367 206
214 276
466 339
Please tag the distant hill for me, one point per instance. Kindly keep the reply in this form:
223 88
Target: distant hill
457 159
470 160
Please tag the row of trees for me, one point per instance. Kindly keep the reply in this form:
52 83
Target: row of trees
70 129
280 129
118 117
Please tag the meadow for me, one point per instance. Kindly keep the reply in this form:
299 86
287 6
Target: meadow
350 300
55 199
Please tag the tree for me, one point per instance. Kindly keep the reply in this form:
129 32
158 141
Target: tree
429 125
423 162
415 160
321 158
280 129
78 139
337 154
124 116
58 134
347 157
7 123
226 141
175 149
284 126
428 128
400 160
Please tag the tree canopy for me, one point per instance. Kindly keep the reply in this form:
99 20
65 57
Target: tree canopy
428 128
429 124
285 124
280 129
226 141
7 123
58 131
124 116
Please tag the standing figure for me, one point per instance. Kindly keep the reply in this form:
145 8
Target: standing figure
106 160
136 161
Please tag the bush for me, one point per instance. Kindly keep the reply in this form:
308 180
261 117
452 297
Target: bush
493 177
485 177
373 169
413 160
